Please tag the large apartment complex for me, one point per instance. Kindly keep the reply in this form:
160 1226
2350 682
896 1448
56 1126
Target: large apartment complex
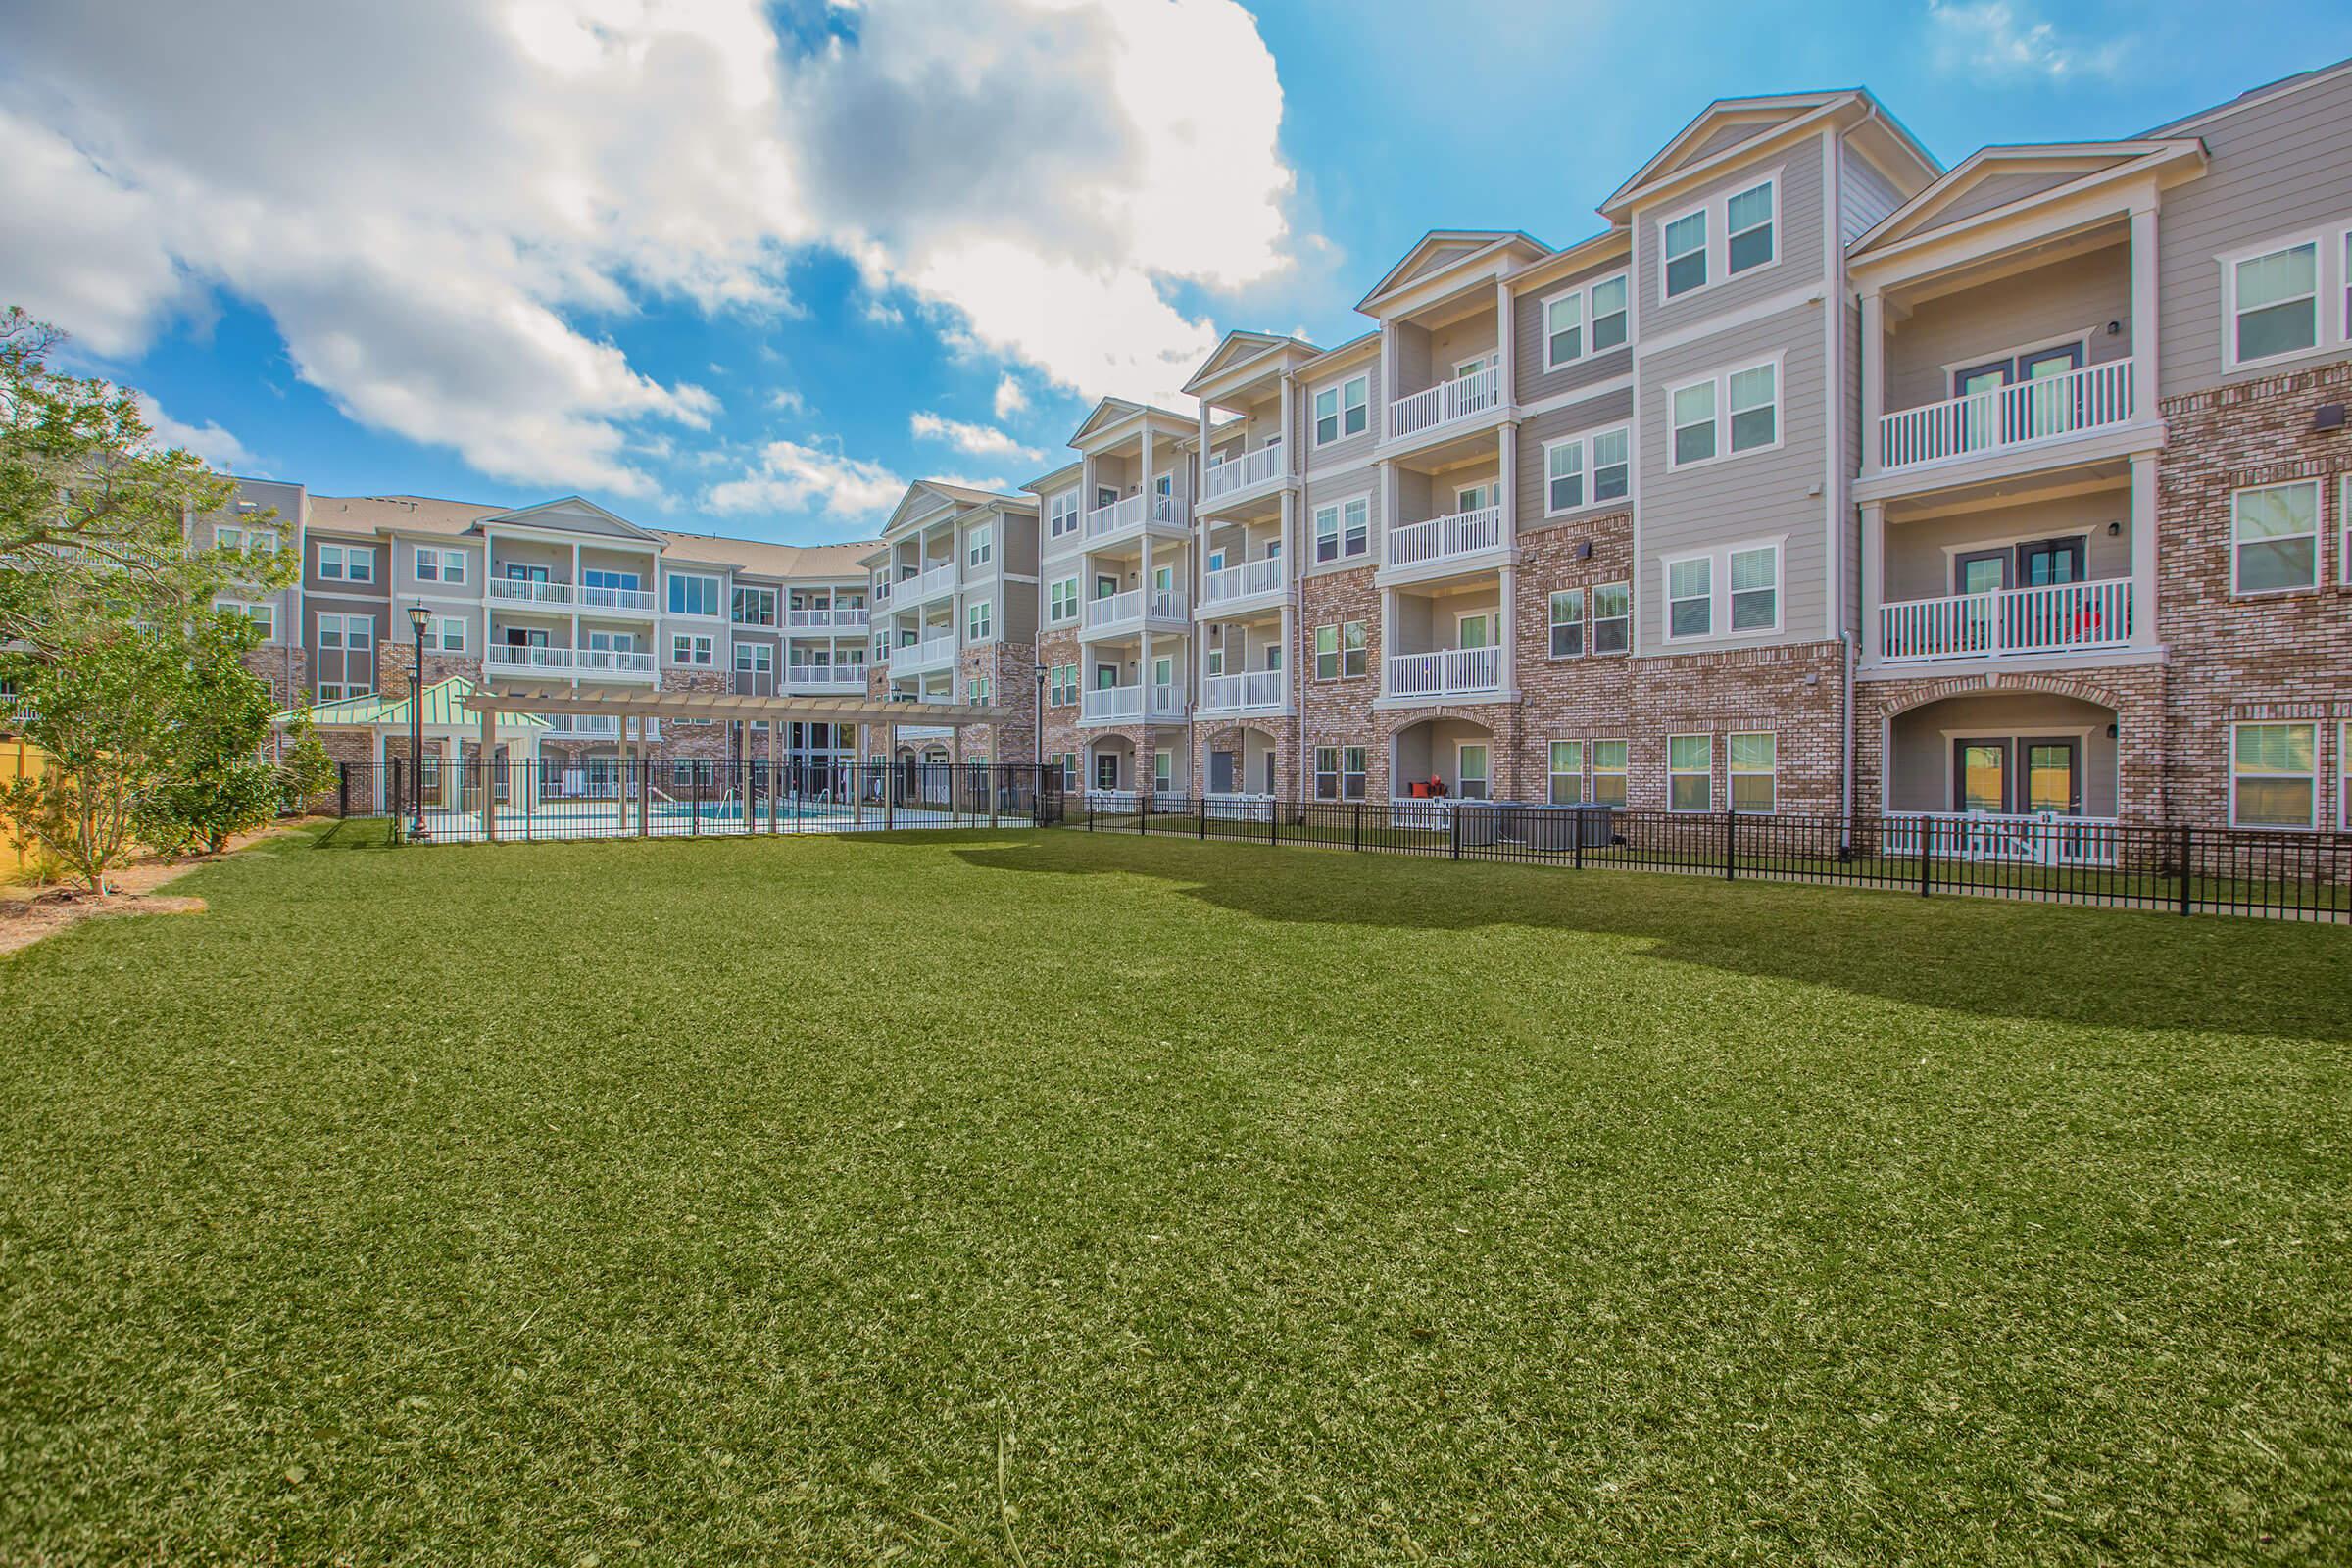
1822 478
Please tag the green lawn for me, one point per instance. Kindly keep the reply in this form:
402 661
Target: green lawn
1033 1198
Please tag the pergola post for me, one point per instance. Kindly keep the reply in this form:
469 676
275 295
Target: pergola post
890 774
489 744
774 783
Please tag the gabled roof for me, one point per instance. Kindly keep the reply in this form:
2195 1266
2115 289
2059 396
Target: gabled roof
571 514
1993 178
1442 248
926 496
1238 348
1109 411
1113 412
445 706
1713 138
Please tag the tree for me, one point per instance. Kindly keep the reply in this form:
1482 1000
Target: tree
306 772
211 782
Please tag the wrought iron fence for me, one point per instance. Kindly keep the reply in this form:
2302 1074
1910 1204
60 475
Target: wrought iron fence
524 800
2181 868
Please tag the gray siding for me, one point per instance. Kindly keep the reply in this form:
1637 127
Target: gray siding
1751 496
1594 414
1865 198
1324 488
2080 294
1353 450
2278 168
1798 245
1996 191
1527 348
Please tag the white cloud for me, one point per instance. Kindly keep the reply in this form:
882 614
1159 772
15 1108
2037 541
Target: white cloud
453 210
1012 398
977 440
991 483
1993 36
208 441
804 480
784 400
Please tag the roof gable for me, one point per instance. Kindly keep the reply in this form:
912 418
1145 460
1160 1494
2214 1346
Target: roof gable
569 515
1444 248
445 707
1722 126
1107 413
1993 178
1237 348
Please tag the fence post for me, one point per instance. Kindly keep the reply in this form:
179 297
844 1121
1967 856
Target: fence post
2186 860
1273 822
1576 837
1453 830
1731 846
1202 803
1927 847
1358 843
645 796
342 789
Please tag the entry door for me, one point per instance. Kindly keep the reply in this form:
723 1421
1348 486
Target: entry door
1164 579
1163 674
1106 771
1105 676
518 574
2050 767
1106 585
1220 772
517 637
2042 563
1476 496
1980 776
1474 632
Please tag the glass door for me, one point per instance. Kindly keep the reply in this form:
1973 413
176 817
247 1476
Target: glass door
1981 776
2047 409
2052 767
1980 575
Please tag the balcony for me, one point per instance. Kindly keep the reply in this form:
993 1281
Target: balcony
571 663
825 619
1135 514
825 679
936 582
1113 705
1465 397
1128 612
1447 672
522 591
1231 587
1253 691
1458 536
623 601
594 728
926 732
932 652
2025 414
1249 470
2014 623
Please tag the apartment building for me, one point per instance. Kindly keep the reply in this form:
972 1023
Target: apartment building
1821 478
954 585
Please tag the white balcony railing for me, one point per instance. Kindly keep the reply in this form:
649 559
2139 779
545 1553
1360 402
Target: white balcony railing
931 583
509 656
1119 609
635 601
847 678
611 662
1447 672
1250 690
1109 704
1245 581
2053 619
825 619
928 654
2045 838
522 591
1133 513
2019 414
1241 472
1447 402
1455 535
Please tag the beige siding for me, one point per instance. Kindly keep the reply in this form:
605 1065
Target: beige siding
1351 451
1798 245
2279 168
1850 521
1527 349
2079 295
1322 489
1865 198
1995 190
1918 563
1609 409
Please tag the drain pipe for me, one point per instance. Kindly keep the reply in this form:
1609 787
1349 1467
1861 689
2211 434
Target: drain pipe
1845 771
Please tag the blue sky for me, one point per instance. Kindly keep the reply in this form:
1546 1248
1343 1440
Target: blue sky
753 271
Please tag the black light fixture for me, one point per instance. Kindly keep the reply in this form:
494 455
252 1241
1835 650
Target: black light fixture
418 616
2114 529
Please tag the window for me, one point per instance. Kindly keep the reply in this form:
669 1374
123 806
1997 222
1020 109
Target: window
347 563
755 659
751 607
1755 588
693 596
980 547
334 691
447 633
1351 648
1062 599
1339 650
1471 771
1343 410
1563 475
1612 322
2273 775
1748 763
1564 472
2343 768
2273 302
1567 772
355 632
1756 408
1612 465
1563 329
246 541
976 690
1062 514
1164 772
1689 597
1608 774
1748 229
1689 772
262 615
1061 686
2275 538
440 565
1612 617
685 650
1327 652
976 621
1694 409
1069 770
1339 772
1568 623
1686 242
1344 529
2343 519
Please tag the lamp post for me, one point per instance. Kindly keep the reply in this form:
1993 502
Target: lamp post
418 616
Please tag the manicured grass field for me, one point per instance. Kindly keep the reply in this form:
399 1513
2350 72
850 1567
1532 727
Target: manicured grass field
1036 1199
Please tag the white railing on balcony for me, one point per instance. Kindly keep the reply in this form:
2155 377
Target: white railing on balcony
1111 703
926 732
923 654
520 591
2053 619
1447 402
1133 513
1245 581
1117 610
1446 538
2002 417
1447 672
508 655
1234 693
823 619
611 662
2045 838
1241 472
635 600
849 676
928 584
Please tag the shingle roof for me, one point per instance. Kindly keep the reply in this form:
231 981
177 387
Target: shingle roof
444 705
434 515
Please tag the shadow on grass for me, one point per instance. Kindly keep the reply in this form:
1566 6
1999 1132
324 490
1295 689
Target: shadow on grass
1998 958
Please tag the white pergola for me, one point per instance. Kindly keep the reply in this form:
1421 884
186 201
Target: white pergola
866 712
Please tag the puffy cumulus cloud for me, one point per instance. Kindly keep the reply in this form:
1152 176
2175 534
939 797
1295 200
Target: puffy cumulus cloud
1012 398
1991 35
977 440
449 206
790 478
208 441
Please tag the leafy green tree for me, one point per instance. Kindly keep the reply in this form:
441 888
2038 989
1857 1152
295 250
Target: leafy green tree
306 772
212 782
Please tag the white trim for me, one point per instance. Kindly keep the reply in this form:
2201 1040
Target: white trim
1587 442
1722 382
2318 771
1583 292
2330 329
1672 773
1339 507
1339 386
1717 242
2318 533
1590 392
1719 591
1729 795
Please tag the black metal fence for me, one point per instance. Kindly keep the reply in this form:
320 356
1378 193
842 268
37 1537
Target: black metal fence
545 798
2178 870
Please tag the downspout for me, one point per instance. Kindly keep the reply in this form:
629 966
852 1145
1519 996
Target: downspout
1294 673
1845 769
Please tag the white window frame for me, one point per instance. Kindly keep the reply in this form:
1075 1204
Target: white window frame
1338 512
2314 776
719 595
1717 248
1722 382
2319 531
1705 252
1059 609
1719 590
261 611
1673 772
1062 513
979 547
1770 183
748 662
2331 289
1587 444
979 621
693 650
1594 620
1733 773
346 558
1668 599
2343 524
443 628
1731 591
1339 407
1622 773
1552 622
1553 773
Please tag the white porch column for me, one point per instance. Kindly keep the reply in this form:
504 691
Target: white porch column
1388 509
489 745
1873 376
1290 652
1146 486
1506 343
2145 629
1204 437
1388 635
1508 631
1873 581
1508 486
1290 441
1290 533
2144 386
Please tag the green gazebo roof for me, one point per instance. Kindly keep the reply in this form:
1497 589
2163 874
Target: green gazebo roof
445 706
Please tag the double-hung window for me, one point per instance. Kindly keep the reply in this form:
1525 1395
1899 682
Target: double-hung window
2273 302
1750 764
1566 472
1564 475
980 546
1344 529
1062 514
1694 414
448 634
1609 772
1691 597
1568 623
1563 328
1343 409
1062 599
1689 772
347 563
1611 316
440 565
2273 775
1755 405
1567 773
1756 588
1686 242
976 690
1728 413
262 614
691 595
1612 617
1339 772
690 650
1327 652
2275 538
976 621
1748 229
1744 578
1612 465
